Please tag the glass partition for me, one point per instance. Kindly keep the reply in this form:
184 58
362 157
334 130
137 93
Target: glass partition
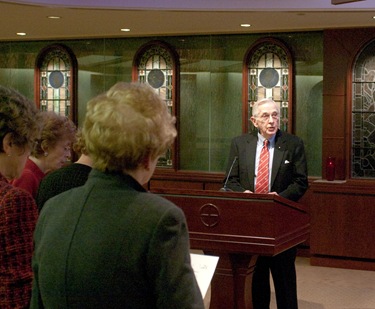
210 109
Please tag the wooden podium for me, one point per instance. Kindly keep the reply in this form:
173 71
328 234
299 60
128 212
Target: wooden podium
238 227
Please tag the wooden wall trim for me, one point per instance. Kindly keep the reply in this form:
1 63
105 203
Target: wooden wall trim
350 186
192 180
188 175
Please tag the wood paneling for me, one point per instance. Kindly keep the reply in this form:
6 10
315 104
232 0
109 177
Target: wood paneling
172 184
342 220
334 116
333 147
165 178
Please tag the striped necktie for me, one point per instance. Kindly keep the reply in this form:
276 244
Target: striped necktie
263 170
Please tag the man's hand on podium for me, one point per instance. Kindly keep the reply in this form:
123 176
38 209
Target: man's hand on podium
248 191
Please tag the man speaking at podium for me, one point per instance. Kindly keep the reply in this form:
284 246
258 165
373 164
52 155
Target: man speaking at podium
274 162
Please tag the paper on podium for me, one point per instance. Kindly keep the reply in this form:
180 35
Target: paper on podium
204 268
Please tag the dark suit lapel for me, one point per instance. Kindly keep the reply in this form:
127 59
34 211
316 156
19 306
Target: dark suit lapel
278 154
251 147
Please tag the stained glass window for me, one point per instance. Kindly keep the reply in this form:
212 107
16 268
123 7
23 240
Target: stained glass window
156 67
363 114
268 76
55 67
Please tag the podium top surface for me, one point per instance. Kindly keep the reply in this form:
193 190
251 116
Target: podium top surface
231 195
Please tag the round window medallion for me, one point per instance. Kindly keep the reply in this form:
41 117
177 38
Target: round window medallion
56 79
269 77
155 78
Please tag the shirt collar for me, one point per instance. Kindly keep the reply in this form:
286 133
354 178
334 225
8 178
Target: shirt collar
271 141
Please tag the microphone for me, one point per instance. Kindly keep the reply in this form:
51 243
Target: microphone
225 189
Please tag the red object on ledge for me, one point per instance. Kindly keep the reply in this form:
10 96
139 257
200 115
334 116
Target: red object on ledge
330 168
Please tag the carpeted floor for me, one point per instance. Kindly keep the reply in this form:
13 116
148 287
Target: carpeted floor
333 288
330 288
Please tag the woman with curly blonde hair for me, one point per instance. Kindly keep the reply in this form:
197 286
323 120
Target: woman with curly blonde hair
115 245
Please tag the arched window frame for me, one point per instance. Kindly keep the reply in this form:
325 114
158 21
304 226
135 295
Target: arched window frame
254 53
361 150
69 77
171 85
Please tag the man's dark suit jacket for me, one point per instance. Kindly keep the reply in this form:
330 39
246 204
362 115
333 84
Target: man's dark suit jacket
110 244
289 169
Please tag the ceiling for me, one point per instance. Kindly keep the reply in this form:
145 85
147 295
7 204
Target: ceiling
98 18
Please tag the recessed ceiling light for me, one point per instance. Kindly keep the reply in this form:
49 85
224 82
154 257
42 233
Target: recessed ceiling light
21 33
245 25
125 29
53 17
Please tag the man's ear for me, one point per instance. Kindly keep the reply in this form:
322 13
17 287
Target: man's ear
254 121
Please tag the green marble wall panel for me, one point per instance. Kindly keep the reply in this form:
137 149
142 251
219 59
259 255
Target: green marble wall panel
210 86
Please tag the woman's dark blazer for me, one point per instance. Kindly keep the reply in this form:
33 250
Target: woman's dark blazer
289 168
111 244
